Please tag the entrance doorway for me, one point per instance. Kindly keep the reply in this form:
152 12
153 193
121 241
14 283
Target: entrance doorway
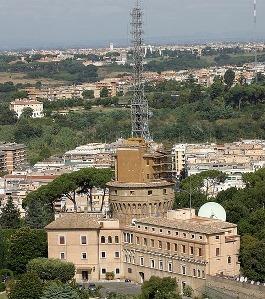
141 277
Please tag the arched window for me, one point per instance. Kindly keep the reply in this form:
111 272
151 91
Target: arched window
116 239
229 260
102 239
109 239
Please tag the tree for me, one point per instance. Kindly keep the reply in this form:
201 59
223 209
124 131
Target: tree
158 288
229 78
104 92
27 112
51 269
68 184
37 215
28 287
88 94
10 216
24 245
59 291
252 257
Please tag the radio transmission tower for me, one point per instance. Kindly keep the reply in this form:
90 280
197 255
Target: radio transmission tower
139 103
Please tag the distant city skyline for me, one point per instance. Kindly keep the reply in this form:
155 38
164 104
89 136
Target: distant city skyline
88 23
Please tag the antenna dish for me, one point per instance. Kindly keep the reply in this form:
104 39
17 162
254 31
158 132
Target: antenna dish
212 210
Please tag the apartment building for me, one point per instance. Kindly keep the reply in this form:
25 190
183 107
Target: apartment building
15 156
19 104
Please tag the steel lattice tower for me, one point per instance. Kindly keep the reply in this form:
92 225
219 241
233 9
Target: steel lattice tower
139 103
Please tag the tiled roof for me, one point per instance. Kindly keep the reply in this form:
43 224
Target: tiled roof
74 221
197 224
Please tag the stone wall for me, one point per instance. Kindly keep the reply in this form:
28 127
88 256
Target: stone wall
223 288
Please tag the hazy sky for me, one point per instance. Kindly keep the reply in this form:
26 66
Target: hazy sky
66 22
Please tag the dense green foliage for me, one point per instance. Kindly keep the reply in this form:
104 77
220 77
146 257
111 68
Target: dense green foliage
10 215
51 269
28 287
59 291
160 288
24 245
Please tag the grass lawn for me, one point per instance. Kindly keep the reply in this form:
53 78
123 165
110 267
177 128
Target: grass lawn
3 296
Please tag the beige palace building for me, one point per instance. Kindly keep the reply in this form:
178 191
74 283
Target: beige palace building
145 237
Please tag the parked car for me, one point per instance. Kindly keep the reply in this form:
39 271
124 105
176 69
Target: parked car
92 287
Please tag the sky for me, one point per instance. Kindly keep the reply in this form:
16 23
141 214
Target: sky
65 23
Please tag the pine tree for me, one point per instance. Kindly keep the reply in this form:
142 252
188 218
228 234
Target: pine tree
10 216
36 216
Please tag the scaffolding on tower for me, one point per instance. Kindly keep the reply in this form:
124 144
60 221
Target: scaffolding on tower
139 103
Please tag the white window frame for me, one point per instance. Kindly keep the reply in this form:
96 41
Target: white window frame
82 255
62 256
118 254
101 254
81 239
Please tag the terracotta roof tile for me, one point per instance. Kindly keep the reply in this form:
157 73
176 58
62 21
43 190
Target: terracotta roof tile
74 221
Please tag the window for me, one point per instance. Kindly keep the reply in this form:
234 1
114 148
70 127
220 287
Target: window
62 256
192 237
170 267
169 232
183 270
199 252
168 246
83 255
191 250
164 191
200 237
145 242
229 260
83 240
102 239
161 230
117 254
184 235
141 261
203 274
117 271
103 271
131 192
129 270
61 240
183 249
217 237
115 192
217 251
176 247
116 239
137 240
161 265
145 228
149 192
152 243
152 263
153 229
103 254
109 239
176 233
199 273
194 272
160 244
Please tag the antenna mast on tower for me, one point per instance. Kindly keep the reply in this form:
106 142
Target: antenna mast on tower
139 103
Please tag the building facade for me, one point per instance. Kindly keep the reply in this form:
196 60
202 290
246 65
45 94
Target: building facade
20 104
